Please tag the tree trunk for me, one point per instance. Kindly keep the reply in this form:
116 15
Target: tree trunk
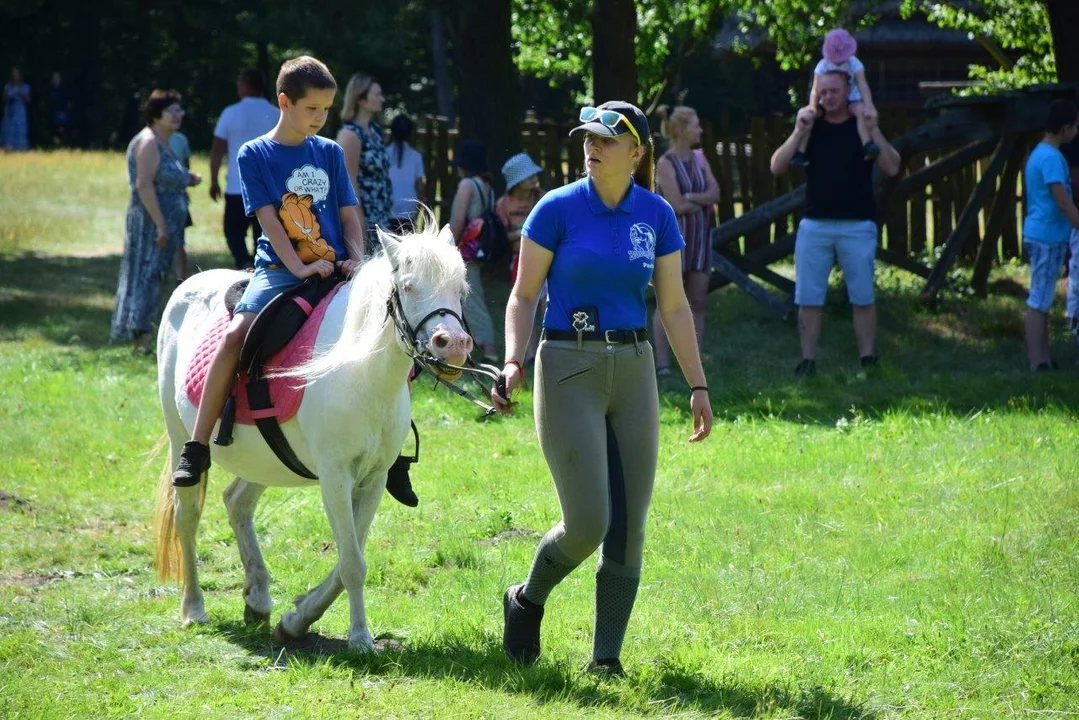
614 60
488 89
1063 20
440 63
263 54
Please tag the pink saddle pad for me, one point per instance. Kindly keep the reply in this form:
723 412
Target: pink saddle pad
285 393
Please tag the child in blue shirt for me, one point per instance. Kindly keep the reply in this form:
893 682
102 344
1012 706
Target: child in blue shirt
295 182
1051 215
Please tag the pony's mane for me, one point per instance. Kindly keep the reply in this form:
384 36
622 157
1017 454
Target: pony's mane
433 266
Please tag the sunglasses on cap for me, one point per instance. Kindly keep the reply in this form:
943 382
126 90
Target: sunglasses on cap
610 118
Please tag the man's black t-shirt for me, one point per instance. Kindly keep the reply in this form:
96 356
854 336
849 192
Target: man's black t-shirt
839 180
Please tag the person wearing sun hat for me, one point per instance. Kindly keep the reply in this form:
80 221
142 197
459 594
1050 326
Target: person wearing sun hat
473 198
598 243
523 191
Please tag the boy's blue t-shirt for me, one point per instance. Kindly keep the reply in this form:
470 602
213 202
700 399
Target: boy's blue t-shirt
1045 222
603 258
270 171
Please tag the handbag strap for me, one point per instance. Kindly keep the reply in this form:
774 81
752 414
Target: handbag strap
484 206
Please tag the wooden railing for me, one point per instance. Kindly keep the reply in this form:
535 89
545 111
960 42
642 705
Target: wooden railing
740 162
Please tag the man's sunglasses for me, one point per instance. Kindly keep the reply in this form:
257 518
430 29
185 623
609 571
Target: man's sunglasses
610 118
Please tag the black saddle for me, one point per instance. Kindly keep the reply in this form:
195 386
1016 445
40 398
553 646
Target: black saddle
281 319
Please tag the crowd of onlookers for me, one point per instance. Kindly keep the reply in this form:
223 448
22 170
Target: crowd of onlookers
15 126
389 180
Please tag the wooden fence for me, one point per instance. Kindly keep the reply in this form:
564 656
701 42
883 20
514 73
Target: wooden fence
546 141
740 163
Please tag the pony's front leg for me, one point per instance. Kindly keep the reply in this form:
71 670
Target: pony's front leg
313 604
345 514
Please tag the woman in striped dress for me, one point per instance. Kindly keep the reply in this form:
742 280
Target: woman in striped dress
691 189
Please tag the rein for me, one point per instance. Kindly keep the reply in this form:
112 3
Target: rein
426 361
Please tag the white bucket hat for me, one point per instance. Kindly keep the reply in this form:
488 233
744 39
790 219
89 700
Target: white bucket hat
519 168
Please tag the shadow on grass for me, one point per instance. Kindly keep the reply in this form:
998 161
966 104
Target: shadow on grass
478 659
966 356
67 300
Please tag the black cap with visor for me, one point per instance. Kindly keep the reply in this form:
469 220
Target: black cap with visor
614 118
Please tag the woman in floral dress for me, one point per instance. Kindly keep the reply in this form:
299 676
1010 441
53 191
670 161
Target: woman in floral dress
366 158
156 217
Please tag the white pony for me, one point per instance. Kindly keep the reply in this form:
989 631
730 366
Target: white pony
349 429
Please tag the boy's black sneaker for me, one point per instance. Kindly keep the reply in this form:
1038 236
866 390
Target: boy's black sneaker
398 483
521 634
194 461
799 160
870 362
806 368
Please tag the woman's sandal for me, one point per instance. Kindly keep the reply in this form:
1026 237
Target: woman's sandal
142 345
663 371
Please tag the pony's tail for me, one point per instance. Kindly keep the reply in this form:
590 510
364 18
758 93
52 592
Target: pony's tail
168 557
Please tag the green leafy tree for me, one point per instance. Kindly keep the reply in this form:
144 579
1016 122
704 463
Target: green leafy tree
554 39
1019 28
1033 40
112 54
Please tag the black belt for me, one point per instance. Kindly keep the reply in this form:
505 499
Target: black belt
613 337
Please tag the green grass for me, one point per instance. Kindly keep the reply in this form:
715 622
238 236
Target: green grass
844 547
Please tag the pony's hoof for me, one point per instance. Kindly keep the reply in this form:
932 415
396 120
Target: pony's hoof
200 618
361 641
283 636
389 644
255 617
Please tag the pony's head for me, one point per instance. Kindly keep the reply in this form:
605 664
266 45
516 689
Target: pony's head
408 296
429 284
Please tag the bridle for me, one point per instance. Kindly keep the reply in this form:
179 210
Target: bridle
414 342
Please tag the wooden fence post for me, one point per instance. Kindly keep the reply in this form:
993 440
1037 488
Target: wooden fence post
967 219
1002 206
442 171
553 176
724 171
918 209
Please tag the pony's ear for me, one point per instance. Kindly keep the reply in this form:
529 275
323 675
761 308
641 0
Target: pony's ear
390 245
446 235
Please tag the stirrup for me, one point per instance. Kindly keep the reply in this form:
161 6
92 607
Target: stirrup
398 484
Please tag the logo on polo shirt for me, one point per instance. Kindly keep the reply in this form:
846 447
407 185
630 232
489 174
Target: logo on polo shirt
643 239
581 321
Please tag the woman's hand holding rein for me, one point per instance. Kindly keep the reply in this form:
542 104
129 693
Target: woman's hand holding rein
512 377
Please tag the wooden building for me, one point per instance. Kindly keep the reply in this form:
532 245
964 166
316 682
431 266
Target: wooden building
906 60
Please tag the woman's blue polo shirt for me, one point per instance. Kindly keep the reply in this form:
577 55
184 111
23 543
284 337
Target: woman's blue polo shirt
603 257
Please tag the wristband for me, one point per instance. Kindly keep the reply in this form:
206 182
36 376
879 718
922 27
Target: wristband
515 364
695 388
